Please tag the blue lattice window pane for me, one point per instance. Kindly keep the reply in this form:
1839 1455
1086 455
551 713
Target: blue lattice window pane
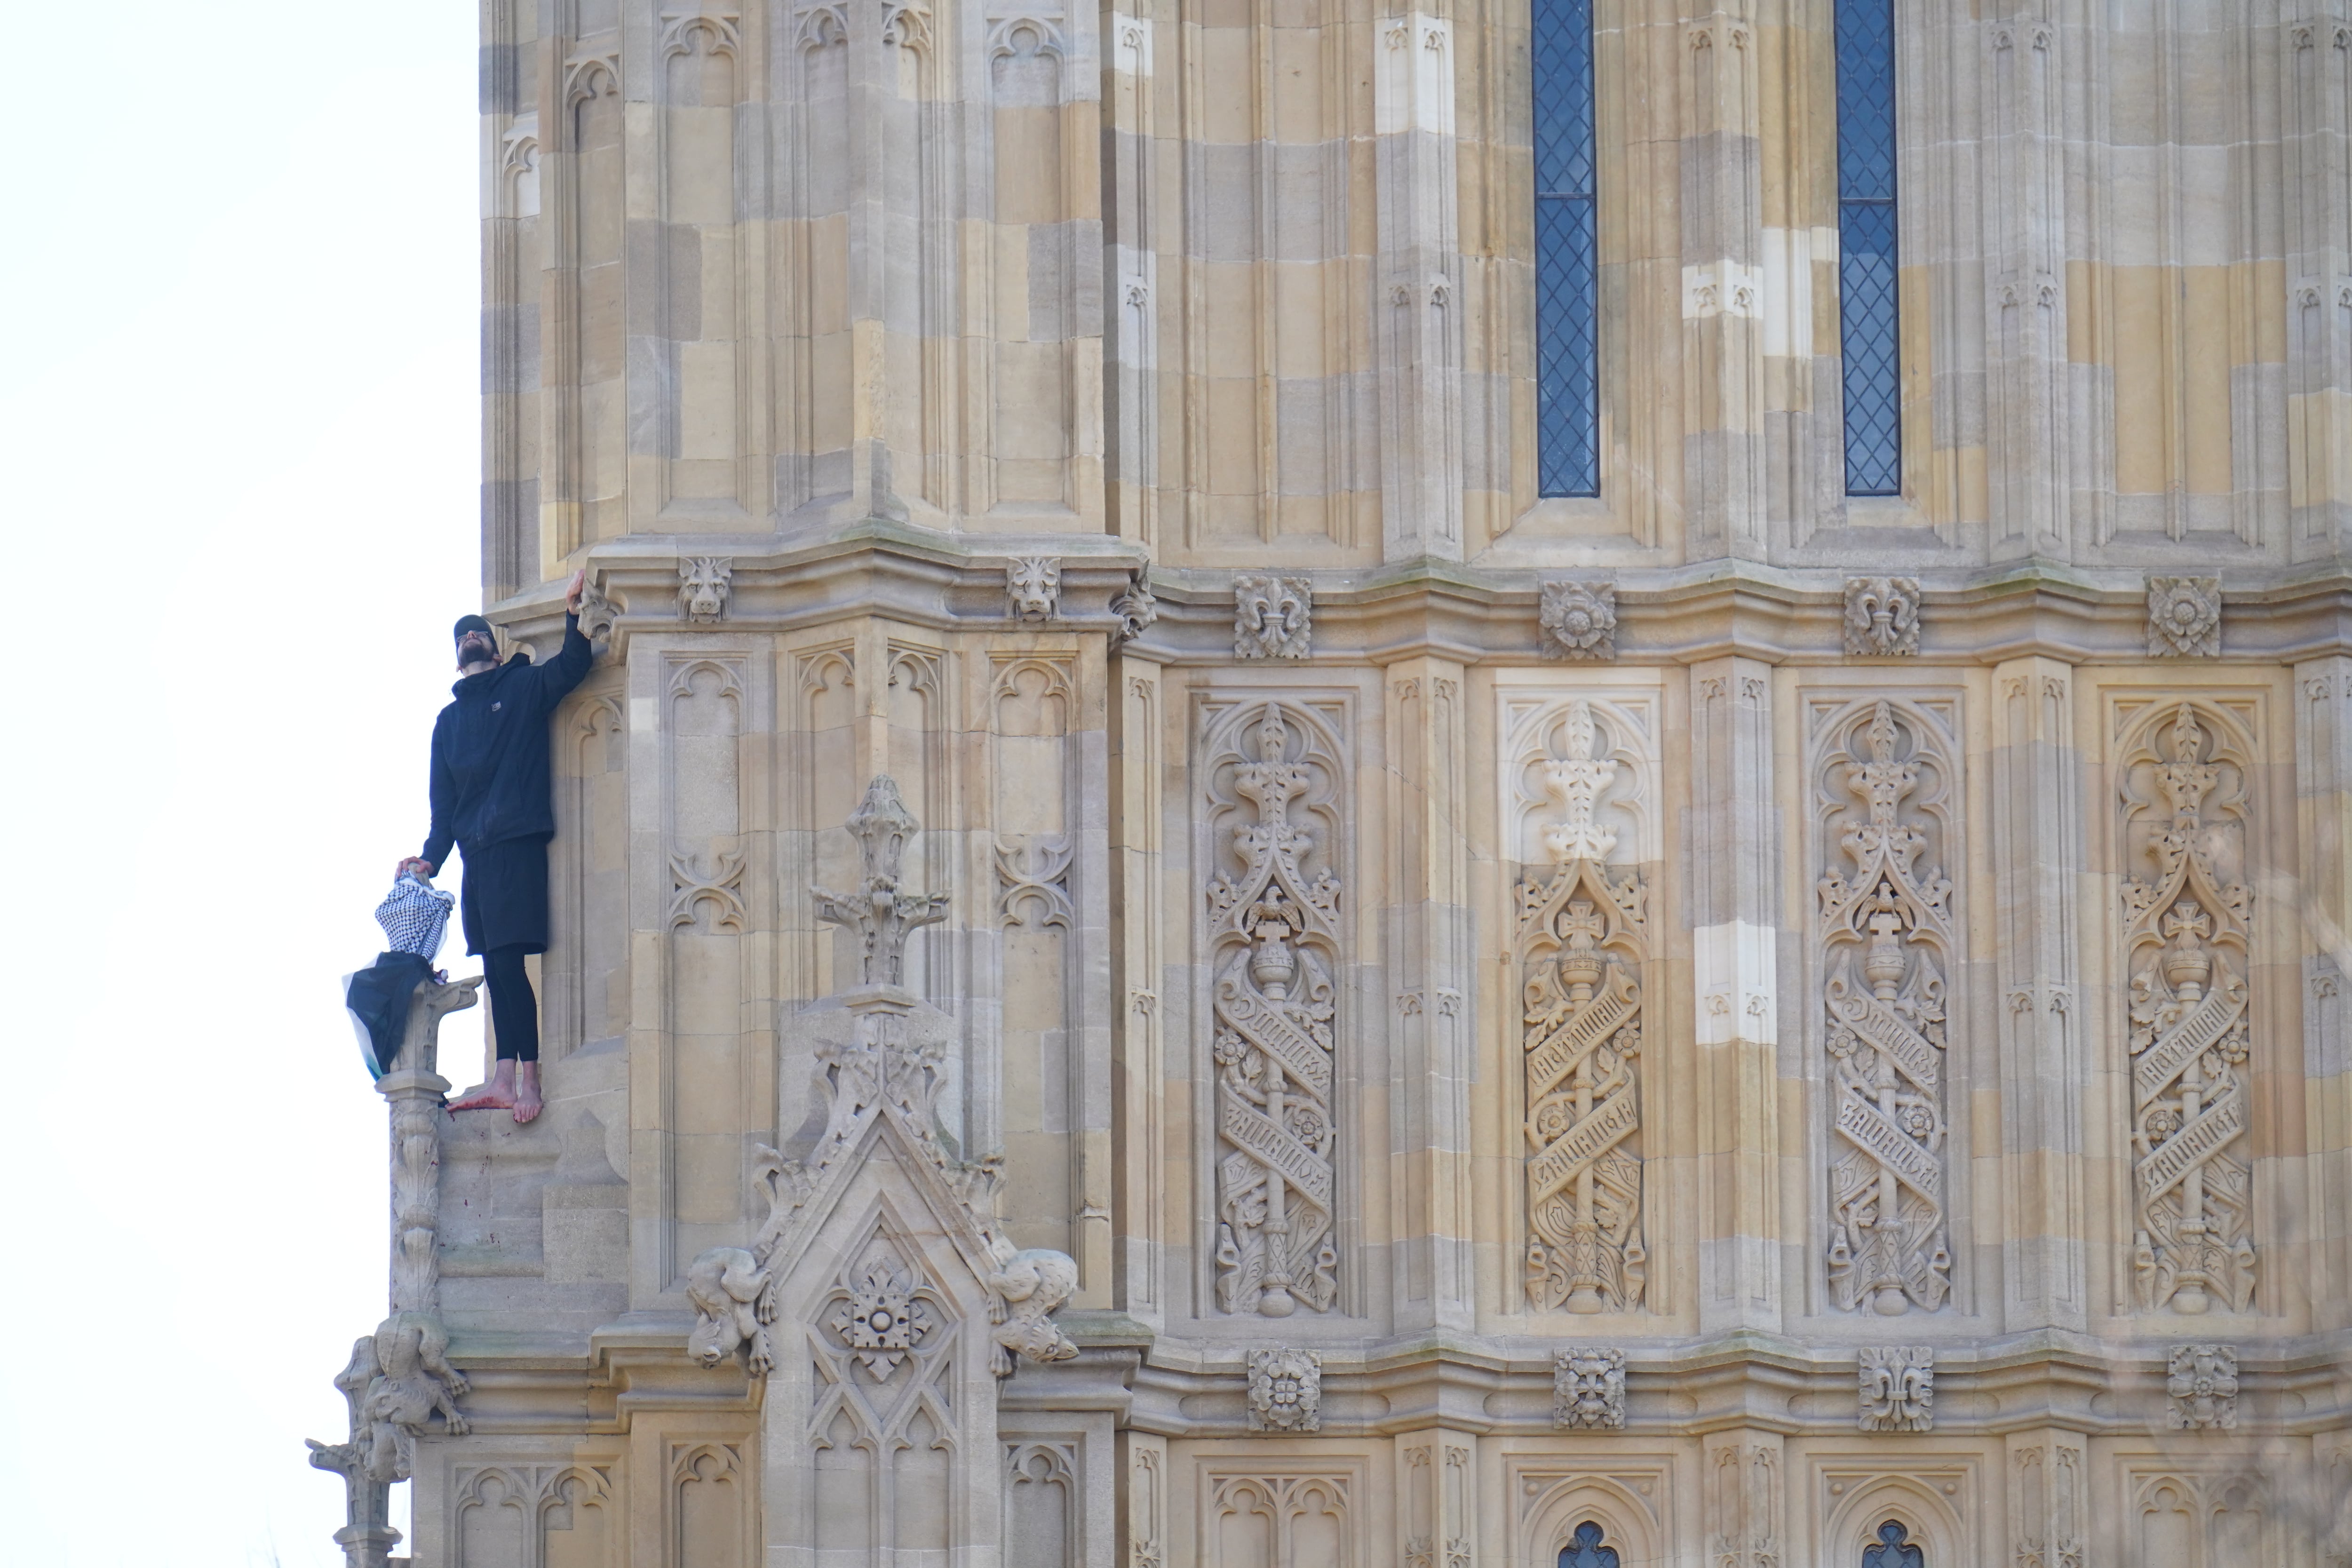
1585 1551
1870 327
1893 1549
1567 269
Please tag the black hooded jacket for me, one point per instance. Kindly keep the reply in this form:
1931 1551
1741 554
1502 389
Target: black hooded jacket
491 751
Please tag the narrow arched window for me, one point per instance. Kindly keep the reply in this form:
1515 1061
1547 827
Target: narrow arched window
1568 264
1584 1549
1869 328
1894 1549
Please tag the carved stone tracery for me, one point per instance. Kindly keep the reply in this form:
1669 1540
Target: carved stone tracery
2188 920
1275 931
1581 941
1887 945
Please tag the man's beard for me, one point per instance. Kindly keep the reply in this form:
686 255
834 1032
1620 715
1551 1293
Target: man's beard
473 652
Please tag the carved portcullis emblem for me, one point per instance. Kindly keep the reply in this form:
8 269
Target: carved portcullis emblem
1276 928
2187 920
1581 939
1887 940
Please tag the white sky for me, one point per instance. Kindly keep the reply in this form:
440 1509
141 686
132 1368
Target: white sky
238 461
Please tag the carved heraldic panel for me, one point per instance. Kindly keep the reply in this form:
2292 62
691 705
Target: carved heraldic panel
2187 922
1884 785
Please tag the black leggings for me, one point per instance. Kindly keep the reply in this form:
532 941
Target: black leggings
514 1010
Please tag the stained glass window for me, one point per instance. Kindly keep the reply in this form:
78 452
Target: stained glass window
1893 1549
1585 1551
1869 332
1568 271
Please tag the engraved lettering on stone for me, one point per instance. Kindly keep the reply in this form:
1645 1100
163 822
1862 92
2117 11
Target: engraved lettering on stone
1272 617
1285 1391
2202 1383
1588 1388
1274 927
1581 942
1888 943
1579 620
2184 617
1034 585
1898 1388
703 582
1882 615
2187 922
875 912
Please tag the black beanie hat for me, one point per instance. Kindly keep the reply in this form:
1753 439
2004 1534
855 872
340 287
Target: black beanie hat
473 624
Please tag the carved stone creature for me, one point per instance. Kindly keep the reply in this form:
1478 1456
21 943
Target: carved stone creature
1034 584
724 1283
1588 1388
2202 1381
597 612
1579 620
703 582
1273 617
1882 615
1285 1391
2184 617
402 1376
1136 608
1898 1388
1027 1286
367 1537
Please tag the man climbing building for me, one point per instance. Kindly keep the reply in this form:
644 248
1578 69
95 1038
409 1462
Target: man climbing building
491 797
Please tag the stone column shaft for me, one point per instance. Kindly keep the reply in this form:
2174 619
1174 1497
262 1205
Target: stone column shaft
2025 184
1419 343
1722 286
2323 746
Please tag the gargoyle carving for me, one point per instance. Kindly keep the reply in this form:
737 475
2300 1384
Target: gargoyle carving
724 1283
397 1378
1026 1287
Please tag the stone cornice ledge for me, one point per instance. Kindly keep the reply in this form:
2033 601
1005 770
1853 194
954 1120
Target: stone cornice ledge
1474 615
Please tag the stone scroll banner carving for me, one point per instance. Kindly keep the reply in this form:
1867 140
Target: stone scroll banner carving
1582 935
1274 930
1887 945
2188 920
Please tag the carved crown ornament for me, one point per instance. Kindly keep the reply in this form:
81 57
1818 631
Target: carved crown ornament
883 1081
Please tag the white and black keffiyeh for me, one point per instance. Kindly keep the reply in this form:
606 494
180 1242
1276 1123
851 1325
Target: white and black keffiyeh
415 916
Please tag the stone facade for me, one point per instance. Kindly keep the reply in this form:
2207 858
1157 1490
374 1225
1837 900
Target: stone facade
1403 955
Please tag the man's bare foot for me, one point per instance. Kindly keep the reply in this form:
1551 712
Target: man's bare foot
526 1097
498 1094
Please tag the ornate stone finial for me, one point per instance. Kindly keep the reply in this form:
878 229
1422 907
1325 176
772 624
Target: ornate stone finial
724 1285
1135 606
703 582
597 612
1273 617
2203 1382
1588 1388
1898 1388
1026 1288
1285 1391
2184 617
1882 617
1034 585
1579 620
880 915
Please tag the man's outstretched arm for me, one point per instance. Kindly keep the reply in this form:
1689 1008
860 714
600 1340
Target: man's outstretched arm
569 667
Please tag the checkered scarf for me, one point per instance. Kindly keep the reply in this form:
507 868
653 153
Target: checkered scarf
415 915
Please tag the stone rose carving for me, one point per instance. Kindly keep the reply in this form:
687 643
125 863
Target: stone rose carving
880 1320
1272 617
1285 1391
1588 1388
724 1284
1882 615
1579 620
2203 1383
1034 584
2184 617
1898 1388
1027 1287
703 584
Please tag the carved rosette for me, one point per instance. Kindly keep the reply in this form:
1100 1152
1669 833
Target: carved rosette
1581 935
2184 617
1888 944
1579 620
1274 927
1285 1391
2202 1387
2187 919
